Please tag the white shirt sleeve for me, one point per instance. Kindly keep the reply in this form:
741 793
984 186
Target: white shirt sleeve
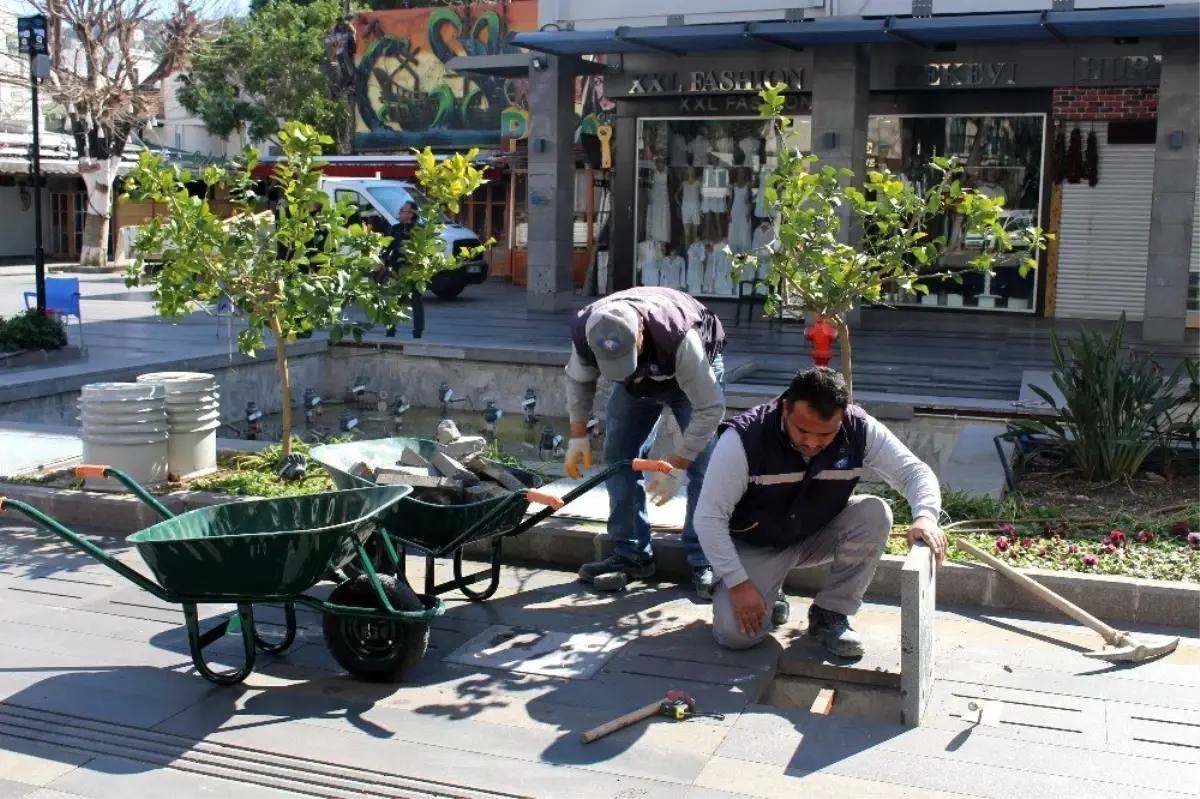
726 480
898 467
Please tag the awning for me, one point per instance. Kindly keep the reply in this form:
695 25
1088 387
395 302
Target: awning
1046 26
510 66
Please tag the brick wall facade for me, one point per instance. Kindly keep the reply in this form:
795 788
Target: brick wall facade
1104 103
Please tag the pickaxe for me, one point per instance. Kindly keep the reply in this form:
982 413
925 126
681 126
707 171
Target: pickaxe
1122 647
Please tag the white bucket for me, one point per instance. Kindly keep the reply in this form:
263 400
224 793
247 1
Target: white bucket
124 425
193 407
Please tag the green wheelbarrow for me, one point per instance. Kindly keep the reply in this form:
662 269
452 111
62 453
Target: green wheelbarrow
440 531
274 550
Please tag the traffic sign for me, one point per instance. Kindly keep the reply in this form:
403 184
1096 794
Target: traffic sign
31 35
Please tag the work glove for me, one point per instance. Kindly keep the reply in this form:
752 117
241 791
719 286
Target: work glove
662 487
579 457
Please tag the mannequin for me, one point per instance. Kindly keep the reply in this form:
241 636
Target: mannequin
697 256
701 150
679 150
763 245
761 208
710 260
750 147
723 143
658 211
739 216
689 206
651 257
714 203
721 270
672 270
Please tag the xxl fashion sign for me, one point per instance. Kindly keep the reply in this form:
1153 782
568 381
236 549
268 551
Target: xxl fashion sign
714 82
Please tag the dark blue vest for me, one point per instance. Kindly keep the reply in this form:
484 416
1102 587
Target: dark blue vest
787 499
669 316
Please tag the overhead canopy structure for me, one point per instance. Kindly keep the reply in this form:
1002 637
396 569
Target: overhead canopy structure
1045 26
510 66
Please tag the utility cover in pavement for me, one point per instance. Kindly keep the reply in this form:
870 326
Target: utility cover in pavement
25 451
531 651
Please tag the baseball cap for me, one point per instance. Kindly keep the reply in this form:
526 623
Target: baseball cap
612 331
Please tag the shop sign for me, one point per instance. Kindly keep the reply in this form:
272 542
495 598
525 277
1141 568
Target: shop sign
952 75
715 82
1119 69
740 105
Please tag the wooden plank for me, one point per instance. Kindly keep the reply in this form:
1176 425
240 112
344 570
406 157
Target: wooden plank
823 704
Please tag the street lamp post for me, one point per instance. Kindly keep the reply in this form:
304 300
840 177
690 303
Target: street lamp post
31 34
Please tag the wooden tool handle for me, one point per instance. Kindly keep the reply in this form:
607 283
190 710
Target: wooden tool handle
542 498
621 723
1037 589
647 465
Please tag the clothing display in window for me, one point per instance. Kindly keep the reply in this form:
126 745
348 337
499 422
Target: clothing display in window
721 270
739 220
658 213
697 257
715 190
689 205
679 150
761 208
750 146
672 271
701 150
723 148
649 258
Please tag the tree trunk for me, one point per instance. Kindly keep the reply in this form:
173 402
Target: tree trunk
846 353
346 126
98 178
285 387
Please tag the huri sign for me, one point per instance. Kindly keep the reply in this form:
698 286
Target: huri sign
715 82
957 75
1118 69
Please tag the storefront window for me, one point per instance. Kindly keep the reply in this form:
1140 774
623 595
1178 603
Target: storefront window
1003 157
700 189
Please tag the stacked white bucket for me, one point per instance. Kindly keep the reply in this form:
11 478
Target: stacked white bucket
193 415
124 425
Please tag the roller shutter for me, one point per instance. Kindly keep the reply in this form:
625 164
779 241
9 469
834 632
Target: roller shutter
1104 235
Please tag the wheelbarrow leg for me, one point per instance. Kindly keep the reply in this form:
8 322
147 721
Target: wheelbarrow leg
464 584
429 575
198 642
289 635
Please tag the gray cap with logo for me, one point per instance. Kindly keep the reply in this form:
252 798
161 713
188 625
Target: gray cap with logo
612 331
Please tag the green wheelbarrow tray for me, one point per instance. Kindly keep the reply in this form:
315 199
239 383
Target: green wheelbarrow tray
427 527
273 550
438 531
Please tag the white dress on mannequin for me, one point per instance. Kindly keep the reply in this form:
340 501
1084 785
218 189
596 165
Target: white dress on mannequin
672 271
689 206
715 191
761 209
697 254
700 149
762 245
650 257
721 271
679 150
739 221
658 212
750 147
723 145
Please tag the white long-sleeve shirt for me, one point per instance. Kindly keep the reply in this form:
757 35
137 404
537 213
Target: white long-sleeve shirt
728 476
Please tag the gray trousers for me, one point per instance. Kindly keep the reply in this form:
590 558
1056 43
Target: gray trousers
855 541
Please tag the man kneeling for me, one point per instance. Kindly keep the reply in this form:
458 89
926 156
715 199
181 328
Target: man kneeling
782 497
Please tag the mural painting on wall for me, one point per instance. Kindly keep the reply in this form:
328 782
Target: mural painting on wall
406 97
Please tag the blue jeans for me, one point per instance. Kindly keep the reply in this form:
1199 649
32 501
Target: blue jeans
630 434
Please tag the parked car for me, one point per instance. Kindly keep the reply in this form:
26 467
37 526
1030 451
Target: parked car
378 202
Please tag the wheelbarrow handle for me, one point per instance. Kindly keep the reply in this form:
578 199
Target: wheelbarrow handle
637 464
647 465
100 472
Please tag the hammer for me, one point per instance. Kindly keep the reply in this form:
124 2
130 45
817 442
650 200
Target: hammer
1122 647
629 719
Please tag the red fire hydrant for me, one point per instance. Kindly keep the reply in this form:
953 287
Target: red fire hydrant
822 335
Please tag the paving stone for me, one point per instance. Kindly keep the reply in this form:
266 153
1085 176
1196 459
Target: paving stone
768 782
463 448
532 651
29 762
1158 732
117 778
1024 715
799 739
11 789
918 592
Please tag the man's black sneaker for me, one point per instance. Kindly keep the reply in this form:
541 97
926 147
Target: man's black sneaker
615 572
833 630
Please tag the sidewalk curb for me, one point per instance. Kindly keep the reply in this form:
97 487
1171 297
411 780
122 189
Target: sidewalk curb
567 544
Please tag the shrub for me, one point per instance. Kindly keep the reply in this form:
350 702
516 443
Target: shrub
31 330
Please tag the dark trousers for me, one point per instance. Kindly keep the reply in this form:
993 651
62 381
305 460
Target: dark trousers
418 317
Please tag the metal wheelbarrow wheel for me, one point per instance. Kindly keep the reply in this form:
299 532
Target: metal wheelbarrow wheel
370 649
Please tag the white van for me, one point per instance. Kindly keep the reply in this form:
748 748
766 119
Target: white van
378 202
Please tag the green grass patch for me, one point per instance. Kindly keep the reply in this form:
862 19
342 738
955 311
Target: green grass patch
254 474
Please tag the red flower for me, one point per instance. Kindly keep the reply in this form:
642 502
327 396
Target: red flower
1007 529
1116 538
1026 542
1090 560
1002 544
1109 549
1194 540
1073 548
1145 536
1180 529
1042 552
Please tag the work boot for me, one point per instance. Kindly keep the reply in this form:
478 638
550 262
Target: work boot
833 630
615 572
781 611
704 581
